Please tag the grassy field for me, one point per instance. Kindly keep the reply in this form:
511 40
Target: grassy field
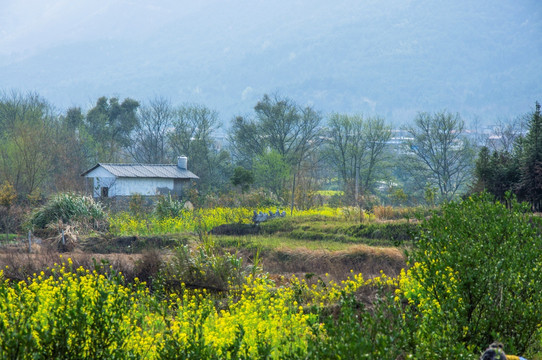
323 284
313 243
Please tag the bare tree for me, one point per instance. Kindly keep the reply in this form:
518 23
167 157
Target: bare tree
376 136
194 127
355 148
439 152
505 135
150 141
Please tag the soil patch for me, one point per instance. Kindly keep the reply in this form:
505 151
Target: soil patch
368 260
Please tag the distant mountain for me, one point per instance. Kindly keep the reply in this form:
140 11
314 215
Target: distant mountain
388 57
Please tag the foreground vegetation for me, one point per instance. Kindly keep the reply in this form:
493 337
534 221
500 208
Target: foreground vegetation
474 277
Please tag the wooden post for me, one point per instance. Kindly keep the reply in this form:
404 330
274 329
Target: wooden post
63 240
29 241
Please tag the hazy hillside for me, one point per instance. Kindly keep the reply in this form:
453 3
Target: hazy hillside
393 57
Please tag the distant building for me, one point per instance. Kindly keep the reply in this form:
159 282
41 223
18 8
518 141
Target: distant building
112 180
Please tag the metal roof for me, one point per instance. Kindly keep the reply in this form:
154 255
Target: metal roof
145 171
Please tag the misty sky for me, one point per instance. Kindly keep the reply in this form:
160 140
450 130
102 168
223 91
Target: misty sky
32 25
390 57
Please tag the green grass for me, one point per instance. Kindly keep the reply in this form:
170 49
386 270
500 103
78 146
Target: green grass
10 238
273 242
326 230
330 192
321 233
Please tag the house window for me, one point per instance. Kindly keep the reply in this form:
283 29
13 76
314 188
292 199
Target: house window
105 191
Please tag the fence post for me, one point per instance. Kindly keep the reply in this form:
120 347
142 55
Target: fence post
63 240
29 241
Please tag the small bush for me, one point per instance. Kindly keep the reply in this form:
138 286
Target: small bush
384 212
136 205
68 208
205 267
353 213
168 208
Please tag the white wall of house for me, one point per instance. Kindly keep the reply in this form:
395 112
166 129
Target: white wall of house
130 186
101 182
143 186
101 178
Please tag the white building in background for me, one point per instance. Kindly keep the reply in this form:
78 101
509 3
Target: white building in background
112 180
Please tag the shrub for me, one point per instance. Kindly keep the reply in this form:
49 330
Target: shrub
383 332
166 207
477 277
205 267
68 208
384 212
136 205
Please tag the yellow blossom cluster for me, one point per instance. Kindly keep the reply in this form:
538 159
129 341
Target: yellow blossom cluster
92 314
202 219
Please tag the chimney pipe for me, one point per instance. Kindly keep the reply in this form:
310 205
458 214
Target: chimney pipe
182 162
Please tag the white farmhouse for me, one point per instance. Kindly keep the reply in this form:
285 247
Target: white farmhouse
111 180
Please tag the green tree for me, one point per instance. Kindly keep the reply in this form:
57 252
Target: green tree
496 173
26 141
530 183
519 169
279 125
110 125
438 151
271 172
72 152
243 178
74 119
246 141
398 196
429 195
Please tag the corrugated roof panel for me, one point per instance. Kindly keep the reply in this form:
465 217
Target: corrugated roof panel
148 171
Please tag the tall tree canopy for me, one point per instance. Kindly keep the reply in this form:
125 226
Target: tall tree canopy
26 141
110 124
279 126
516 168
530 184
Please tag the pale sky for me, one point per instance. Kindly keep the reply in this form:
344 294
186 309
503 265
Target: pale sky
28 25
378 56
